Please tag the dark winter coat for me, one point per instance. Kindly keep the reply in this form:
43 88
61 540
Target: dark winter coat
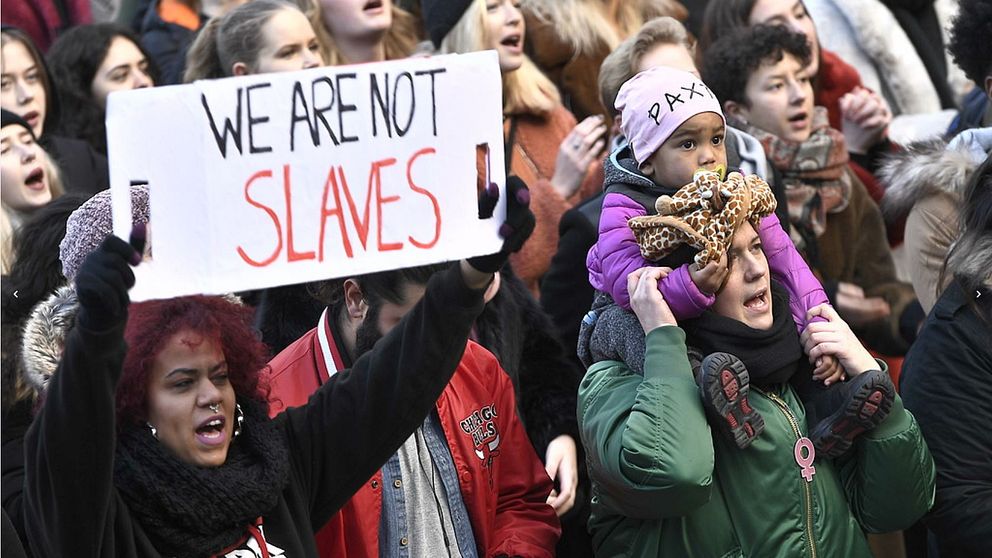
284 314
84 170
167 44
74 509
947 383
15 424
515 329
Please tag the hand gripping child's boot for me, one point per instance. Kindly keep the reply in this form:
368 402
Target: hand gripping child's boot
724 384
848 409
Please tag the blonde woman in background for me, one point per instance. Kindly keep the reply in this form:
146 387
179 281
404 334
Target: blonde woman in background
359 31
555 157
568 40
29 178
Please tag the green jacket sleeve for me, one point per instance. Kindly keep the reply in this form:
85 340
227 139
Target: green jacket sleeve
649 449
890 476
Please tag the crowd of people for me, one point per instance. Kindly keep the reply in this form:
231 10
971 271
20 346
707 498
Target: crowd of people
742 307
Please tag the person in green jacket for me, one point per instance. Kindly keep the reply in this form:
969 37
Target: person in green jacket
664 485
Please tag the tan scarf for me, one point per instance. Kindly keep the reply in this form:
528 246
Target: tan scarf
814 172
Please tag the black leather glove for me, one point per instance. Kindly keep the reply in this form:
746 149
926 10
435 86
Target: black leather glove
515 230
104 279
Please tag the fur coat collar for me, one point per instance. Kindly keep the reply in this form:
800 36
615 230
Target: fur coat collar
865 31
44 336
930 168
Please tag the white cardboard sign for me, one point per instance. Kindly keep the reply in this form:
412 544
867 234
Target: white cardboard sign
274 179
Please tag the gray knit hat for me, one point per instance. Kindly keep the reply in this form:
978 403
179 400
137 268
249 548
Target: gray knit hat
91 223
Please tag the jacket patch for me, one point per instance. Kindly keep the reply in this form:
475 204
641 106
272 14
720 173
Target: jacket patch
481 426
252 547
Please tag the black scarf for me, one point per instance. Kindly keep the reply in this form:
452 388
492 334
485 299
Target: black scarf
193 511
771 356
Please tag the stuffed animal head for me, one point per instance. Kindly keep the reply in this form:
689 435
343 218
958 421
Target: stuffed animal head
705 214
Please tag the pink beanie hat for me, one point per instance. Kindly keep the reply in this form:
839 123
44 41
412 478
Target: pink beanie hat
655 102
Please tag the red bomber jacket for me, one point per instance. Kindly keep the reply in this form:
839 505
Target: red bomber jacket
503 484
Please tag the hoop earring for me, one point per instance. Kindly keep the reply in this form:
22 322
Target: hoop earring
152 428
239 416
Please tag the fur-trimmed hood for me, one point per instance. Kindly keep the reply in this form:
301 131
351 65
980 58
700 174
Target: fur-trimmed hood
44 336
975 262
929 168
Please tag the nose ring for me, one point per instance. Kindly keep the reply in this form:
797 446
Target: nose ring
215 407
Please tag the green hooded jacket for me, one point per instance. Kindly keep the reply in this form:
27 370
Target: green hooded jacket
663 485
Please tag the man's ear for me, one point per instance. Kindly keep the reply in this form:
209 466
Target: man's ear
239 69
354 300
736 110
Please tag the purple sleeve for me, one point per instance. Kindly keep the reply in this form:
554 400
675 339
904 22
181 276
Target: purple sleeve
615 254
790 269
683 296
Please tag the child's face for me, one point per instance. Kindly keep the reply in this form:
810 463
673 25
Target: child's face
697 144
781 100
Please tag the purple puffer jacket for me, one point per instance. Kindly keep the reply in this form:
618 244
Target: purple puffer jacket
616 254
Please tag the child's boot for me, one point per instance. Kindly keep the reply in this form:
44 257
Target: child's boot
849 409
724 383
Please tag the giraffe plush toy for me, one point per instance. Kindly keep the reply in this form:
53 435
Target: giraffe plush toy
704 214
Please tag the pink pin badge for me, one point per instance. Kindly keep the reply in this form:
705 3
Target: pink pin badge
805 463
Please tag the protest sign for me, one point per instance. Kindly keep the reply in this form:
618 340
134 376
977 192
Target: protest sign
273 179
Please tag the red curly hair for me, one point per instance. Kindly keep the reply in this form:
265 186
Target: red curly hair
152 324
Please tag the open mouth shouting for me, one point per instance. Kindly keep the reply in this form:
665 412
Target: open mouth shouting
374 7
211 432
514 43
35 180
799 121
757 303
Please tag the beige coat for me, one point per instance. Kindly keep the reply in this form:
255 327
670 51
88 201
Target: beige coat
925 183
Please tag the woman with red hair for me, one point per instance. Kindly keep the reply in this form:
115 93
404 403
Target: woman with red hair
190 464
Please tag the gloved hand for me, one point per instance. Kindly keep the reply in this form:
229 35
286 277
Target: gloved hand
104 279
515 230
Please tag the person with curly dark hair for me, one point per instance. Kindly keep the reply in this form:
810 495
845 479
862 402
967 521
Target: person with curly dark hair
761 75
857 111
87 64
971 49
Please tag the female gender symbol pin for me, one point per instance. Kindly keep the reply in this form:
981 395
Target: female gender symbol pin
808 470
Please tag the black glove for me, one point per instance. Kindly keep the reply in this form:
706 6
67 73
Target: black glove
515 230
104 279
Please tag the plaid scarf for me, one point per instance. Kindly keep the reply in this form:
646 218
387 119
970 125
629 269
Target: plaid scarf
814 174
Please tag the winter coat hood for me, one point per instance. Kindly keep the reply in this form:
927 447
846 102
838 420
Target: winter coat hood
930 168
44 336
620 174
